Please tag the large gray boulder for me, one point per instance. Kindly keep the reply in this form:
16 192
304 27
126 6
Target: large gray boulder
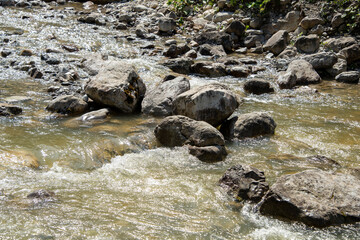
205 141
117 85
248 125
236 27
258 86
351 53
277 43
308 44
212 103
314 197
167 24
309 22
336 44
322 60
179 65
244 183
348 77
286 80
158 101
216 38
67 104
304 71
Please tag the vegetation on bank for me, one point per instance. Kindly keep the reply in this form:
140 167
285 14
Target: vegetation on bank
350 9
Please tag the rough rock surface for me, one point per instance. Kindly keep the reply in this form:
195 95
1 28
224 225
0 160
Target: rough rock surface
244 183
258 86
211 103
158 101
321 60
351 53
314 197
336 44
348 77
179 65
67 104
9 109
277 43
286 80
94 115
304 71
205 142
308 44
117 85
248 125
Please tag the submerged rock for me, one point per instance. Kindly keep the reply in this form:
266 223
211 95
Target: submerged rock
244 183
211 103
314 197
67 104
117 85
94 115
248 125
205 141
9 109
159 101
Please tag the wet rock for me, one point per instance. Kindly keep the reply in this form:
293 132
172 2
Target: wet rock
322 60
339 67
5 53
117 85
236 27
94 115
53 61
348 77
209 154
336 44
19 158
26 53
93 18
211 103
179 65
351 53
209 69
180 130
7 3
159 101
121 26
176 50
41 194
286 80
9 109
35 73
239 71
277 43
337 20
314 197
70 48
67 104
308 44
212 50
248 125
244 183
323 161
216 38
222 16
191 54
309 22
253 40
167 25
257 86
304 71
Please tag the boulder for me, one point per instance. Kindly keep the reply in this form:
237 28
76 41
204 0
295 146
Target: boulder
308 44
257 86
211 103
216 38
322 60
236 27
339 67
159 101
167 24
117 85
238 71
9 109
351 53
286 80
290 22
277 43
179 65
337 20
209 69
176 50
212 50
248 125
336 44
348 77
205 142
309 22
244 183
67 104
222 16
314 197
304 71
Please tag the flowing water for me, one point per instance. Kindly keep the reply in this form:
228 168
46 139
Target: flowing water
111 179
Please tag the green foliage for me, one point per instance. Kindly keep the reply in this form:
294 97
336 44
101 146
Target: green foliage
185 7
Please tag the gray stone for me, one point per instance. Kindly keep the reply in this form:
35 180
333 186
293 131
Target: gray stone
67 104
348 77
239 71
337 20
216 38
94 115
304 71
258 86
248 125
158 101
236 27
179 65
167 24
339 67
336 44
321 60
117 85
314 197
277 43
209 69
212 50
286 80
351 53
9 109
209 154
222 16
308 22
211 103
244 183
308 44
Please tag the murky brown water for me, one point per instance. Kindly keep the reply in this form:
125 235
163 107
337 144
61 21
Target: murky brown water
111 179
